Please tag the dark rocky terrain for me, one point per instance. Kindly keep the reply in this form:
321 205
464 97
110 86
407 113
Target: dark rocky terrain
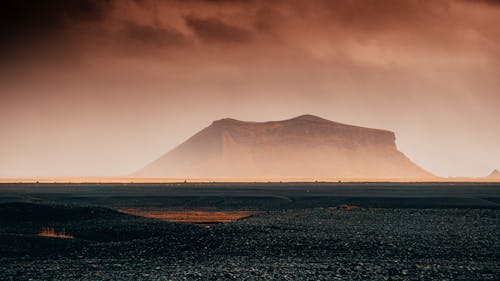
303 147
399 231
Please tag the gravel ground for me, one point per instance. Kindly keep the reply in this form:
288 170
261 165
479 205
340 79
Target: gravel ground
308 244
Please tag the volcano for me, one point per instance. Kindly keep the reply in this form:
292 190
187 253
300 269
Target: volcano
305 147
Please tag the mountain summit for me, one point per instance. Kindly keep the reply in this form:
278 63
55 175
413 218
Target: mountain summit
494 175
306 147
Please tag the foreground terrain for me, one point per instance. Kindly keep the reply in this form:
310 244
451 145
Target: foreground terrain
295 233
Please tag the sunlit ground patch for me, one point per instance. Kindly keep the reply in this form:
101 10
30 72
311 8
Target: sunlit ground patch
343 207
50 232
199 217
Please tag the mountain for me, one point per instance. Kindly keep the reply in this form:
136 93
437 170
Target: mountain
306 147
494 175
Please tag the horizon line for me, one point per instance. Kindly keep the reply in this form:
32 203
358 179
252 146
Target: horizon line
104 180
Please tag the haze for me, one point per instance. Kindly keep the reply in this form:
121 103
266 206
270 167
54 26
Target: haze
101 88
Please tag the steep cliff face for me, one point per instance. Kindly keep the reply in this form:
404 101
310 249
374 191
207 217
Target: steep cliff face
303 147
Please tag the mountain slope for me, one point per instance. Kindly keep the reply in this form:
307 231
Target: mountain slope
494 175
303 147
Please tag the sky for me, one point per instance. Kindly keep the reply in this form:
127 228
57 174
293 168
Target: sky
101 88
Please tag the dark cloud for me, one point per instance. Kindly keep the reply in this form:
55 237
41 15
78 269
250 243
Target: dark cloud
151 35
213 30
28 23
489 2
219 2
333 25
20 18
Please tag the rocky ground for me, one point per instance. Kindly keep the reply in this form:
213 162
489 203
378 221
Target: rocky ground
300 244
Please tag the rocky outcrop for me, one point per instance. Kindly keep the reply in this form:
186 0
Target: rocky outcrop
306 147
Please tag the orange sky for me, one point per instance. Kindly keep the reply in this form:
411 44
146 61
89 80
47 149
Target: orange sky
95 88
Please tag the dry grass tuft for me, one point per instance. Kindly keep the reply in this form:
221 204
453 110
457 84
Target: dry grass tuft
50 232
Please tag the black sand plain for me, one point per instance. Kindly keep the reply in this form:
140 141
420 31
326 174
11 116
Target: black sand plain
401 231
